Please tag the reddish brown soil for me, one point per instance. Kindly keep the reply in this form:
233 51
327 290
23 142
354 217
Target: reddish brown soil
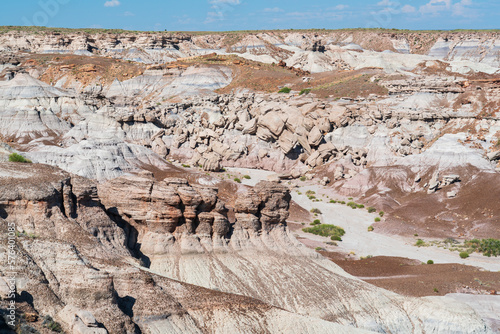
298 214
85 69
412 278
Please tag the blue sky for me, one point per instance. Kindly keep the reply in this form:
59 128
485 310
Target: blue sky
218 15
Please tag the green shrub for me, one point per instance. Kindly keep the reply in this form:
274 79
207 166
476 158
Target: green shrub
14 157
247 177
350 198
333 201
381 213
318 248
285 90
310 192
361 206
303 178
420 243
237 180
185 166
489 247
430 262
326 230
436 290
305 91
370 228
49 323
316 222
464 255
377 219
371 209
316 210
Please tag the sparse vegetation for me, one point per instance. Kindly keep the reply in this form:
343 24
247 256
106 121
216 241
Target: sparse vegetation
371 228
237 180
14 157
488 247
420 243
377 219
381 213
49 323
248 177
186 166
316 210
305 91
430 262
464 255
371 209
285 90
333 201
316 222
326 230
318 248
436 290
303 178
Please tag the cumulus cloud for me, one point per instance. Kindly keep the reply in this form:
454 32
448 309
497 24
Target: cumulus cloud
408 9
433 7
460 8
112 3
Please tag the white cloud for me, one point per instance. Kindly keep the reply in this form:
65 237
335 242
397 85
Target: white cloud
228 2
408 9
460 8
341 7
387 3
433 7
112 3
128 14
273 10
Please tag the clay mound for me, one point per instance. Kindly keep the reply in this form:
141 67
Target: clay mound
23 86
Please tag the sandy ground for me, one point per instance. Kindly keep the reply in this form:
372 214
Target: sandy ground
357 240
488 307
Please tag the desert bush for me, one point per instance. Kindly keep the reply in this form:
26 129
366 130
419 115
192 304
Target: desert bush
381 213
430 262
237 180
186 166
326 230
333 201
464 255
316 222
49 323
488 247
285 90
371 209
14 157
370 228
303 178
318 248
377 219
420 243
305 91
247 177
316 210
